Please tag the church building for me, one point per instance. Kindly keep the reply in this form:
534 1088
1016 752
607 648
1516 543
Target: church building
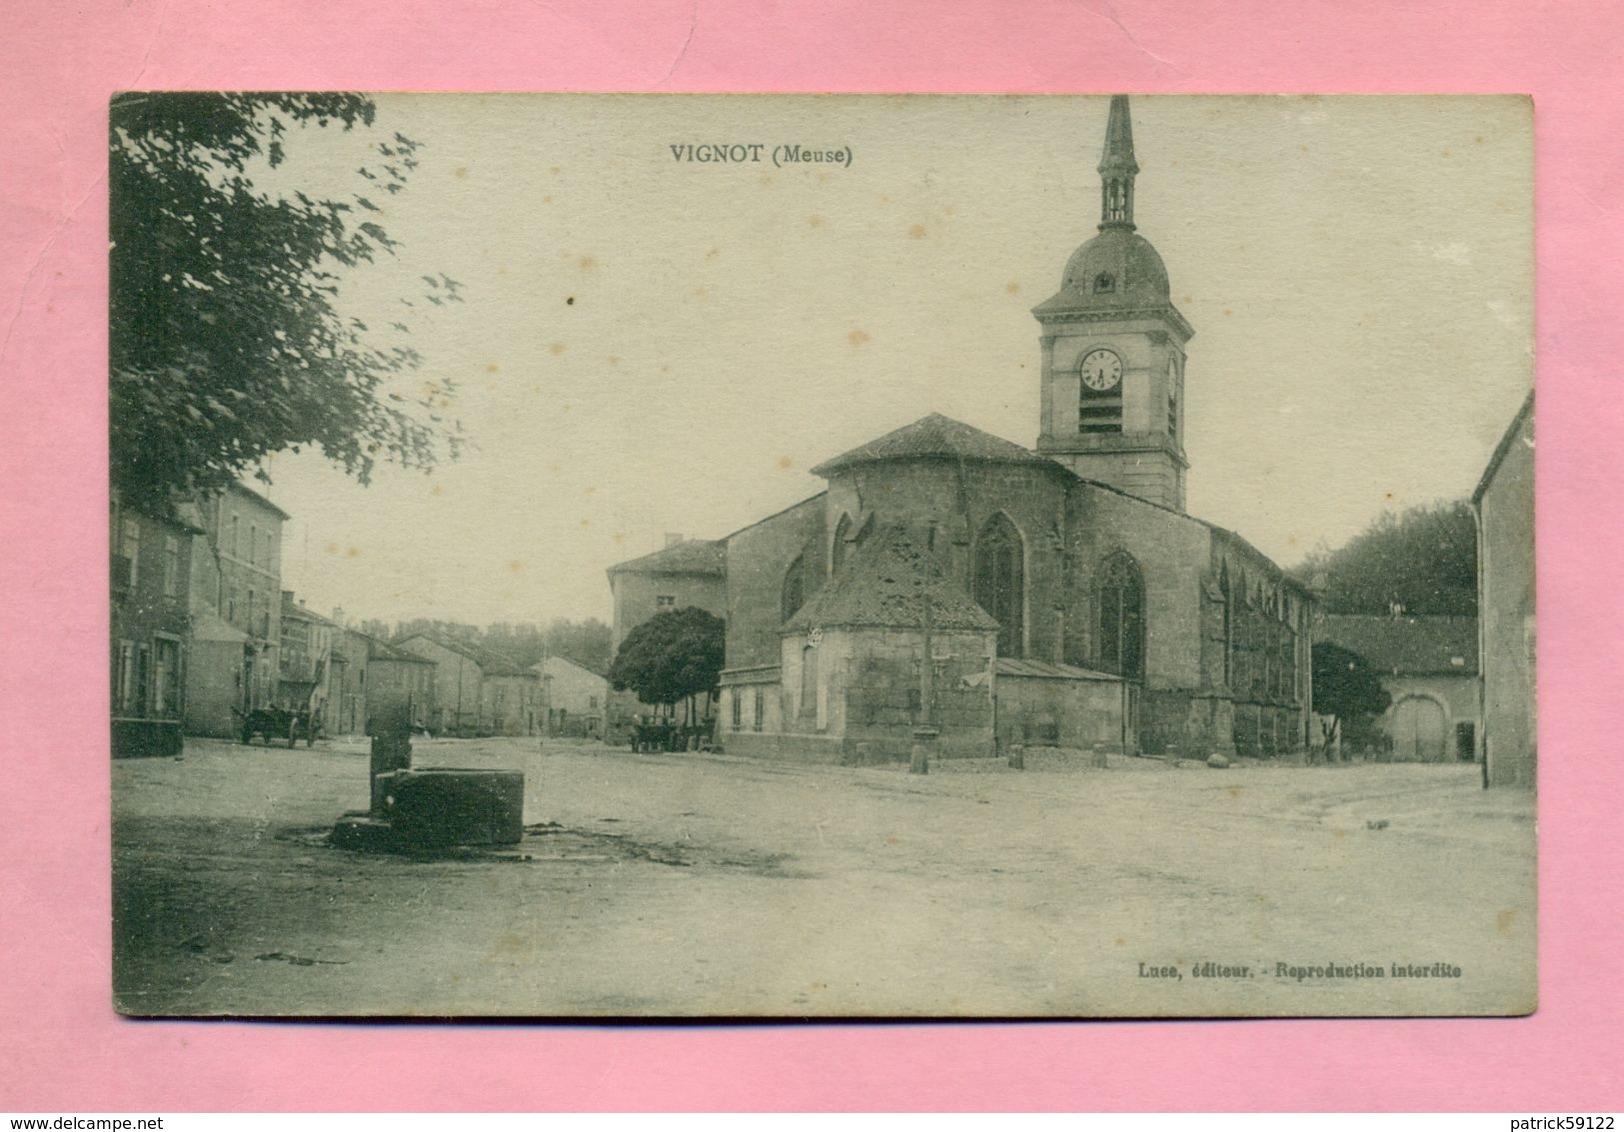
1057 595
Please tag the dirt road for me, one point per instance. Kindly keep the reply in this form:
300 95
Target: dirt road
701 885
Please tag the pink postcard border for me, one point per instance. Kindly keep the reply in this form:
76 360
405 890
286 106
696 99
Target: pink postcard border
61 1047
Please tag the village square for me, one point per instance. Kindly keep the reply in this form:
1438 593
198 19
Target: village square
975 727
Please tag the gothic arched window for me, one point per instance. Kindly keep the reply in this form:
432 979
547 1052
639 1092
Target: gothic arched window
1120 643
837 552
1000 582
794 593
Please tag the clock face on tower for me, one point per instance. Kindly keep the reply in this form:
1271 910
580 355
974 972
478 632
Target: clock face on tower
1101 370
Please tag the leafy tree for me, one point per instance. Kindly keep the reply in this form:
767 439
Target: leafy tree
227 339
584 642
1346 688
1424 559
671 656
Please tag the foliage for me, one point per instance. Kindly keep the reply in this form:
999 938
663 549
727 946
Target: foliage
1346 687
670 656
585 642
227 339
1424 560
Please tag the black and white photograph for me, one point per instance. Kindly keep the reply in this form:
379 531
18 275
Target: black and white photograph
822 556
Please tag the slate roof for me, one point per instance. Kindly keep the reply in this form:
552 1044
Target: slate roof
1405 646
691 556
491 662
378 649
937 437
1503 447
884 585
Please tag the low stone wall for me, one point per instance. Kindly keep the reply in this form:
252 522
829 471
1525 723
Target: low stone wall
786 748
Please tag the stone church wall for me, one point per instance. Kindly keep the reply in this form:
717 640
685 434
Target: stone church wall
960 499
757 559
1172 552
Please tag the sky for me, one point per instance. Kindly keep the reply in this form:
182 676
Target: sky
651 345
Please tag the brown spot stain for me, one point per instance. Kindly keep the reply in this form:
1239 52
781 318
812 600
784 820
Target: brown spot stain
331 548
585 523
857 337
437 489
614 360
556 348
516 567
491 367
814 221
1228 312
917 232
1504 918
547 199
461 172
713 253
785 463
586 263
1012 288
618 537
555 169
352 552
893 839
1233 791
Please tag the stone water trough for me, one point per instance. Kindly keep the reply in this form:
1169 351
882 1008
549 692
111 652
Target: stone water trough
436 809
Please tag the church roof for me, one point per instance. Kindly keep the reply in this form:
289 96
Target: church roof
1405 646
885 584
936 437
691 556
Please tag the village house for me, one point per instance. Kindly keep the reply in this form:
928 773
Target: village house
236 625
369 674
951 580
150 576
308 676
479 691
1504 505
1429 667
683 573
573 698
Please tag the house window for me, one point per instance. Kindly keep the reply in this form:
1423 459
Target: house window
236 549
132 545
251 603
757 715
143 680
171 566
1000 582
166 677
736 701
592 703
665 601
231 605
1120 647
124 676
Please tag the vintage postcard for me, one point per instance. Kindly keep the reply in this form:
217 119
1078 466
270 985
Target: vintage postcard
822 556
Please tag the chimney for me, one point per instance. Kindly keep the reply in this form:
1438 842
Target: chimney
672 539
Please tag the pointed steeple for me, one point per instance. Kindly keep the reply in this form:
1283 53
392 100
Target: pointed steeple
1117 168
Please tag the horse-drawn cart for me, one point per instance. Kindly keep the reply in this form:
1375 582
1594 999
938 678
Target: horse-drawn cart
278 723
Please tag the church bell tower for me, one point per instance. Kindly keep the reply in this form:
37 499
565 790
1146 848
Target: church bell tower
1114 348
